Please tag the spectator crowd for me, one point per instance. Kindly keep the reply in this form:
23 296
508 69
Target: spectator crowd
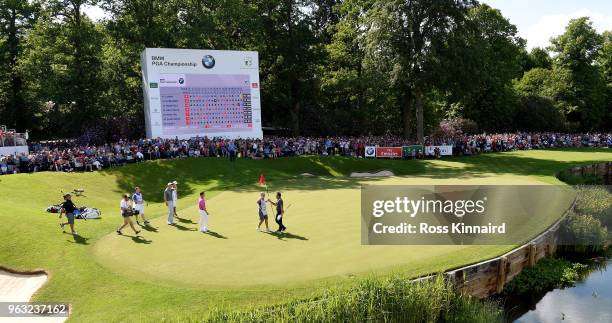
68 156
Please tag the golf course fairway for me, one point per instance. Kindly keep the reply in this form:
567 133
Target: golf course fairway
178 273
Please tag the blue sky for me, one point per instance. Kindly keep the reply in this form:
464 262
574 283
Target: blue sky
537 20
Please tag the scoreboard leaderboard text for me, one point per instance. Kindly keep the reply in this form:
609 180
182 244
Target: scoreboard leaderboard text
201 93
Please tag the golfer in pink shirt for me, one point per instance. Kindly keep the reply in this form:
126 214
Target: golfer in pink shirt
203 213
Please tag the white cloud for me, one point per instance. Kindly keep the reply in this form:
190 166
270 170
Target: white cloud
95 12
539 34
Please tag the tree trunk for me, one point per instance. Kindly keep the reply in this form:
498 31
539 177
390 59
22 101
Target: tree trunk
406 114
418 102
12 40
295 119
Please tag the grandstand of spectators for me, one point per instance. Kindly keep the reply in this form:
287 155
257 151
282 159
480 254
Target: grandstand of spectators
69 155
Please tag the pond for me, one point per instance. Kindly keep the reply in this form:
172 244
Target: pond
590 300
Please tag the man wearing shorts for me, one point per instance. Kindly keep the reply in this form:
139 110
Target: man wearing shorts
68 208
126 213
263 212
138 205
168 198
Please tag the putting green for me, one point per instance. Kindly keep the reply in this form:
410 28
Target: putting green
176 275
323 240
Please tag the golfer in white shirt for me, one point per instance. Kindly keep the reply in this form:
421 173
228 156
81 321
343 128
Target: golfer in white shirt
138 205
126 213
168 198
174 197
263 211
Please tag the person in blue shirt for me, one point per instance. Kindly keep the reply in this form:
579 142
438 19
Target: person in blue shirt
232 151
138 206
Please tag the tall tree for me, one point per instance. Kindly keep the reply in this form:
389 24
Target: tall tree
577 50
289 57
538 58
605 63
402 34
478 64
132 26
355 95
61 65
16 17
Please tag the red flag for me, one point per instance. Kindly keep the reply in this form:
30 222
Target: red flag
262 180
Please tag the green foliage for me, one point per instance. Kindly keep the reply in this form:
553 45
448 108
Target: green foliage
340 67
16 18
586 233
404 38
577 50
548 273
596 201
569 178
537 113
537 58
393 299
478 66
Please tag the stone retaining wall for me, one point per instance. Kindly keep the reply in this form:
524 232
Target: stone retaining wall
603 169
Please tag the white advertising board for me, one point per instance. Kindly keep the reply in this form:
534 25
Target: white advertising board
444 150
15 150
195 92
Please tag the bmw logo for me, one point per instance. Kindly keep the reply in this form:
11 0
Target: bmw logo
208 61
370 151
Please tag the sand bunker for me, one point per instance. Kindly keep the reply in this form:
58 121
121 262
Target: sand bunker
306 174
20 288
381 173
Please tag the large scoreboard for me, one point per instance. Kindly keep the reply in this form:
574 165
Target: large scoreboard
194 92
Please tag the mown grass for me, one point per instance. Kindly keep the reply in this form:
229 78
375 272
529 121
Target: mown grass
31 239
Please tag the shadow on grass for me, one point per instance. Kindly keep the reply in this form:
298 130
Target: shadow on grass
148 228
286 235
182 220
330 172
215 234
138 239
183 228
79 239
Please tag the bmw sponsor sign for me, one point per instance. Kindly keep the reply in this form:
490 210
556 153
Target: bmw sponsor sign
208 61
370 151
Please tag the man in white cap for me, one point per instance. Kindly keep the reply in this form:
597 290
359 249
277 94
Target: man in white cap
169 199
174 196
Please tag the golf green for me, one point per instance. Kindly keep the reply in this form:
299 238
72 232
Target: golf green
323 240
178 273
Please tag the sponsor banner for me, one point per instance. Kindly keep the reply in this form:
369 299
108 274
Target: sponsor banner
370 151
407 150
444 150
389 152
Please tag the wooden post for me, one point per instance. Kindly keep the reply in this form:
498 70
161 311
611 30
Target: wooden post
501 274
532 254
